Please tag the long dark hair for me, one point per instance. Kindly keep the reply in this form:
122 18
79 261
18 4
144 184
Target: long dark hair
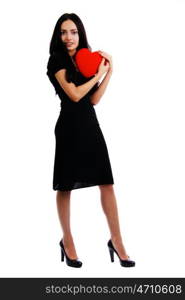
57 46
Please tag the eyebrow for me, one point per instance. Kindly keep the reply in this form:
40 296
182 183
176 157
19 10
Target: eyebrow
65 29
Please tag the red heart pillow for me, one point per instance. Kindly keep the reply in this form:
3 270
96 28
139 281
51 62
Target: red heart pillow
87 61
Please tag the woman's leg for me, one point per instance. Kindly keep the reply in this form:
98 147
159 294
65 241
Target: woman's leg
63 207
109 205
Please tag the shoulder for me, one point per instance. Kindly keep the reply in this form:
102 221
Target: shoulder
55 63
55 58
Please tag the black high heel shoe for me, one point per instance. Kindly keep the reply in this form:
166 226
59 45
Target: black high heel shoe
123 262
70 262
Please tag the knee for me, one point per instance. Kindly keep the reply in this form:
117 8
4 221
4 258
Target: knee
106 188
63 193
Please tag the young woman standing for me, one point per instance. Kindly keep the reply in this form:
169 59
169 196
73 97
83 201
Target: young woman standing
81 154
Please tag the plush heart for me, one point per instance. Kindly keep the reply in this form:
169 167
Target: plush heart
87 61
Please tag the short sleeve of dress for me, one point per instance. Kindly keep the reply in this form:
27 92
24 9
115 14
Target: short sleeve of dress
55 63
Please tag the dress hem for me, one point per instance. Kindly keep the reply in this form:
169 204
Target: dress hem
82 185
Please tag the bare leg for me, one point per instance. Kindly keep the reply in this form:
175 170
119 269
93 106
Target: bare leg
109 205
63 207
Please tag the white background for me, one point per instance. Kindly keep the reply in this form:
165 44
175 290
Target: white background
141 116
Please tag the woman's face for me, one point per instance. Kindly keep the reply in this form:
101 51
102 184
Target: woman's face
70 36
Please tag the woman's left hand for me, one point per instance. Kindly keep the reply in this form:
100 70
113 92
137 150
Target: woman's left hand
107 57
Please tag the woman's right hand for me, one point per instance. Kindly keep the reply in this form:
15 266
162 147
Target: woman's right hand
103 68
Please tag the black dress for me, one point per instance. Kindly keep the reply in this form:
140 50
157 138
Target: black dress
81 155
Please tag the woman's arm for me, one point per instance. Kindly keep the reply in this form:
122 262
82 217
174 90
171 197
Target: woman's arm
96 96
74 92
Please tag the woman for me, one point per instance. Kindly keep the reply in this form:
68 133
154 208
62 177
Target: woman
81 155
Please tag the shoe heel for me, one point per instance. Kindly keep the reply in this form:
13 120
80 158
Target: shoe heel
123 262
62 255
111 254
70 262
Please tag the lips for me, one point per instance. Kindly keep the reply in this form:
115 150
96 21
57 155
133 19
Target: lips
69 44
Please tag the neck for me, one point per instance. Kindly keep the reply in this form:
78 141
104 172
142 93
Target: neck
72 52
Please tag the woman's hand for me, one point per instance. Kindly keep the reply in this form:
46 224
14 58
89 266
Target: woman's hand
103 67
107 57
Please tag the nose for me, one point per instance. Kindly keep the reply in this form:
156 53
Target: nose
68 37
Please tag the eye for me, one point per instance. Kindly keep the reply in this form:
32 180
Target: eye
73 32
